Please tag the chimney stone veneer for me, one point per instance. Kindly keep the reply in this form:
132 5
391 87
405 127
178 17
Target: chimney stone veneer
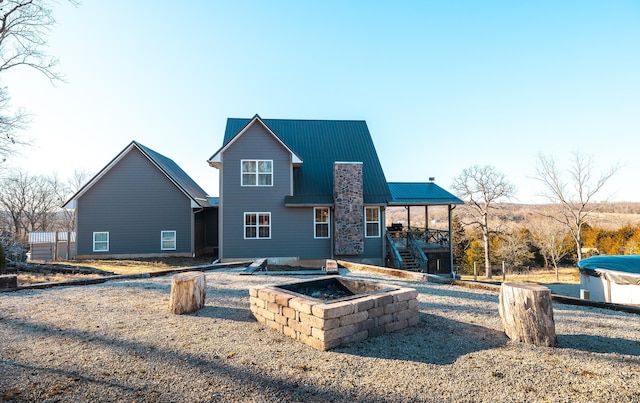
348 208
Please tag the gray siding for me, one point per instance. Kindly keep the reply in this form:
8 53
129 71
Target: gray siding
134 201
291 228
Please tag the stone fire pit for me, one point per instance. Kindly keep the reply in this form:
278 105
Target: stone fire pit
331 311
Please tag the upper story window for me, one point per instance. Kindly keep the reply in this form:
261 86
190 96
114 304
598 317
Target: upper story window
371 222
321 222
167 240
257 172
101 242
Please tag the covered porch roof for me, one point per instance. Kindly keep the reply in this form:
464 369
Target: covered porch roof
420 194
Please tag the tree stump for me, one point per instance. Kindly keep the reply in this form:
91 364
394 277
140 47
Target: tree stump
527 313
188 291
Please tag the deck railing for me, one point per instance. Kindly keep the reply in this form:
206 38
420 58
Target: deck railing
429 237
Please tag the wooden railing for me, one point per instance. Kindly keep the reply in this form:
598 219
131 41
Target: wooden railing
417 251
431 236
393 253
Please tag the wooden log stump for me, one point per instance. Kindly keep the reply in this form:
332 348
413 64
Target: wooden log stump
527 313
331 266
188 291
8 281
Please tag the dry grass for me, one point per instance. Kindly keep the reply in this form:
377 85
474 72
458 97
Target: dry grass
32 278
118 266
114 266
567 275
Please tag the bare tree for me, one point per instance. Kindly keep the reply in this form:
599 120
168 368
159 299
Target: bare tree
575 193
31 203
79 179
549 235
513 248
13 200
24 25
481 188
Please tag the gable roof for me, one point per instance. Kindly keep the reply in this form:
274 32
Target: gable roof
318 144
215 158
166 165
420 193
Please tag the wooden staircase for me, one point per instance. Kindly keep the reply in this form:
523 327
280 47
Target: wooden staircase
409 262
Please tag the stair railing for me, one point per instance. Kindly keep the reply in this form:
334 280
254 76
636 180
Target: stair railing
393 252
416 251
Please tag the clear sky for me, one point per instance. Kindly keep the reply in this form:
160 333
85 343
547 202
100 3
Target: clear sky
442 85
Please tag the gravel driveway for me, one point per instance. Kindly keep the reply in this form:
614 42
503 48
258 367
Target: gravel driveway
117 342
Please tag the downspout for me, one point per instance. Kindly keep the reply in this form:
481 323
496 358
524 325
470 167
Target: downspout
383 225
333 238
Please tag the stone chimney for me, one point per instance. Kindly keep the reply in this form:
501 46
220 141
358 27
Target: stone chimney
348 208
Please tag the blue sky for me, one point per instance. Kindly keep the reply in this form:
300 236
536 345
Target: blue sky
443 85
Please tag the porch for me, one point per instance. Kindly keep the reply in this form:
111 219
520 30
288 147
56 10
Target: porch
421 247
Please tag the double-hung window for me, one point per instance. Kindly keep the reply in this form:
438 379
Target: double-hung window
257 225
167 240
257 172
372 222
101 242
321 222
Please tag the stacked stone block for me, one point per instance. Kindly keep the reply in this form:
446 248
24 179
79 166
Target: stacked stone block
348 198
324 326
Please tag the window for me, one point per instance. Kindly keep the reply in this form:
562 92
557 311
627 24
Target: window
372 222
257 172
100 241
321 222
257 225
168 240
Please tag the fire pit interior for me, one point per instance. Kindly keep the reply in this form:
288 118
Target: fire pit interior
334 289
328 312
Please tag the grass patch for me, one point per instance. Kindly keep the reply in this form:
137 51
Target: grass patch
566 275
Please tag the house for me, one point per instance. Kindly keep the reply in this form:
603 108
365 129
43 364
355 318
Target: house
142 204
308 190
290 190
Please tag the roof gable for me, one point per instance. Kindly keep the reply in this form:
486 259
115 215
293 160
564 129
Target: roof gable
166 165
230 137
321 143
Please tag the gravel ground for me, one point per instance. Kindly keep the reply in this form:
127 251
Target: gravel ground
117 342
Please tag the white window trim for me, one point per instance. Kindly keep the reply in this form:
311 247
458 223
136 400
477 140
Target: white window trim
315 223
257 226
101 242
175 240
242 173
366 223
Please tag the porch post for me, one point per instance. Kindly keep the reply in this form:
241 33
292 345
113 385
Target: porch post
451 242
426 217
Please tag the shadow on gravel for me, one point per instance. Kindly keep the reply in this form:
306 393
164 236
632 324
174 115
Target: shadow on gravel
224 312
434 340
134 384
599 344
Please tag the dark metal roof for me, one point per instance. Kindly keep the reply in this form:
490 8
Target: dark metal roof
177 175
420 193
319 144
166 165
